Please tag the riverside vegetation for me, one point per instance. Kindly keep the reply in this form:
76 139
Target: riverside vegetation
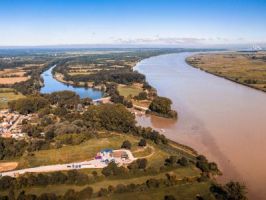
247 68
67 128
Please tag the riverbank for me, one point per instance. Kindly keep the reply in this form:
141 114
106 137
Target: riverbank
241 68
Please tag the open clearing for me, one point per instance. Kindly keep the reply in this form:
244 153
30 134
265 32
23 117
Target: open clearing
245 68
127 90
6 95
75 153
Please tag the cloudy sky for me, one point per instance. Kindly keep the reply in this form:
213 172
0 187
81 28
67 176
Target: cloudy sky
152 22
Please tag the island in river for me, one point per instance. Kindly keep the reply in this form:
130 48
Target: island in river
247 68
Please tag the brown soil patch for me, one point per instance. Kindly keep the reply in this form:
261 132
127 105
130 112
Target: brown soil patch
12 80
7 166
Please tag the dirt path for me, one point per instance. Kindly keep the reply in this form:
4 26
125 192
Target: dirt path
148 156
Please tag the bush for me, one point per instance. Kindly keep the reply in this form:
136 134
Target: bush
203 164
113 170
141 96
126 145
183 161
138 164
171 161
142 143
85 193
231 190
169 197
142 163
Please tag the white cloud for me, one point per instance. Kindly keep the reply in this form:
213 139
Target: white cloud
179 40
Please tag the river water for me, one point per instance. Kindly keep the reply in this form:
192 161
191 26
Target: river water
221 119
52 85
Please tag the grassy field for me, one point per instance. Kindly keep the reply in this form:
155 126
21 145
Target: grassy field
126 90
155 154
88 149
104 183
181 192
245 68
6 95
82 152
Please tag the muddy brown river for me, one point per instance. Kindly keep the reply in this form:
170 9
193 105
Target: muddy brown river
221 119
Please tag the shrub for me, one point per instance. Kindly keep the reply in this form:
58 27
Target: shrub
126 145
171 161
142 143
169 197
113 170
183 161
141 96
138 164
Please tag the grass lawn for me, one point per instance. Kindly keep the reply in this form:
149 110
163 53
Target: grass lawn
6 95
61 189
142 152
75 153
181 192
142 103
155 154
248 69
126 90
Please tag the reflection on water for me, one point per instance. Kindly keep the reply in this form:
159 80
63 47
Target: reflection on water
221 119
52 85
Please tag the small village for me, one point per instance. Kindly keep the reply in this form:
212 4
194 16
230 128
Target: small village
11 124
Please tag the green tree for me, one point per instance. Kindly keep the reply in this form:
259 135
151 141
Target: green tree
126 145
183 161
142 142
161 105
29 104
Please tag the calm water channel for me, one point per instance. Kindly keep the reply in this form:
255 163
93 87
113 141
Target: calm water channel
52 85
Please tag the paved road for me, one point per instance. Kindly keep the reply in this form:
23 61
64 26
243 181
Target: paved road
60 167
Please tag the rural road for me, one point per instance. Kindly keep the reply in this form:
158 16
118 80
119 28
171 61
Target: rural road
59 167
94 164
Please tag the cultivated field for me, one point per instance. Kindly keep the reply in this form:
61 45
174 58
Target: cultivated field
11 76
245 68
8 94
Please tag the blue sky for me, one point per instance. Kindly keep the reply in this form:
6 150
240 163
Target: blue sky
168 22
